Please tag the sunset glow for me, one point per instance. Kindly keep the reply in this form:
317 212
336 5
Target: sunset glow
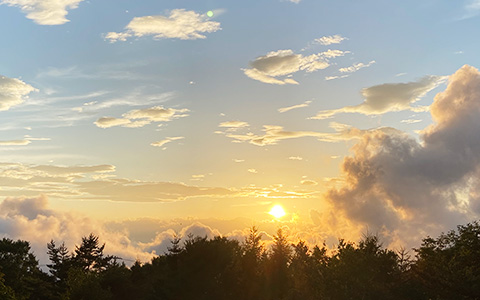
140 121
277 211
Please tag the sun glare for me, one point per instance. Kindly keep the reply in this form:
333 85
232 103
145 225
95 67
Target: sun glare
277 211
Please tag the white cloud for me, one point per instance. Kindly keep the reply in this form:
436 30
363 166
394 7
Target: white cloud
254 171
274 134
295 158
107 122
308 182
411 121
285 109
156 114
15 143
234 124
335 77
45 12
179 24
472 9
13 92
388 97
166 141
141 117
355 67
331 39
285 63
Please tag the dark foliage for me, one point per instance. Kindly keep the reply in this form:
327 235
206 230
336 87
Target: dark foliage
447 267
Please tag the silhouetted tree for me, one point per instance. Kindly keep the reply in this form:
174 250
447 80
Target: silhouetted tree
449 266
251 272
277 267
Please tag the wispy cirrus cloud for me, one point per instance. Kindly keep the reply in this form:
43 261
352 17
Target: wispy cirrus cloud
234 124
355 67
15 143
166 141
471 9
51 12
288 108
179 24
388 97
141 117
273 134
274 66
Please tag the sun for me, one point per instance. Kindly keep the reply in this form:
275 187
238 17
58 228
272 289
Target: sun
277 211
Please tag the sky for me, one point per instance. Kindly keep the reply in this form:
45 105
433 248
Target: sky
140 120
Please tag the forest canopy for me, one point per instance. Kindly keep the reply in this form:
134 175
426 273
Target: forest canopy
445 267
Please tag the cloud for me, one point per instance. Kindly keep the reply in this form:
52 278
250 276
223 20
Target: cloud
308 182
15 143
405 189
107 122
30 218
295 158
336 77
254 171
355 67
389 97
282 63
411 121
274 134
294 1
472 9
13 92
141 117
157 114
331 39
166 141
51 12
96 182
285 109
234 124
179 24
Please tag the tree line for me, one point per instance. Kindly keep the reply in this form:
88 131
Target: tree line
446 267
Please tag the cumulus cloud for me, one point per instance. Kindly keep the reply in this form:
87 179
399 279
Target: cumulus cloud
13 92
285 109
141 117
166 141
51 12
388 97
405 189
31 219
283 63
179 24
331 39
